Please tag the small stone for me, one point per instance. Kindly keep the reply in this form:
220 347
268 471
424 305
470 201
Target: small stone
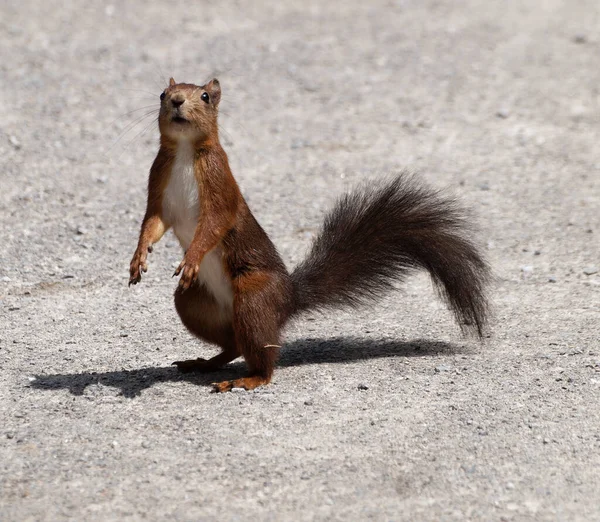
6 279
81 231
114 443
308 402
545 441
14 142
14 308
552 279
580 38
537 252
578 112
590 270
299 144
503 113
484 186
10 435
145 444
442 368
526 271
510 485
363 387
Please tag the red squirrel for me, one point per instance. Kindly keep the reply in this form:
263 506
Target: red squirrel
234 289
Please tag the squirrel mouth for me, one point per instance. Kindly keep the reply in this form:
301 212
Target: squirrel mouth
179 119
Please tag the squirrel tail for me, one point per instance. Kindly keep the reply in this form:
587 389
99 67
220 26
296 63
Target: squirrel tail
378 235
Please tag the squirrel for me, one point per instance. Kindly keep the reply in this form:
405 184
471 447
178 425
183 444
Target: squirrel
234 289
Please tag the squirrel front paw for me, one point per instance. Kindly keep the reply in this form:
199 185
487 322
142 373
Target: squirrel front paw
138 265
189 269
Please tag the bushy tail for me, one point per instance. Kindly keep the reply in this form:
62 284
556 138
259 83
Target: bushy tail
378 235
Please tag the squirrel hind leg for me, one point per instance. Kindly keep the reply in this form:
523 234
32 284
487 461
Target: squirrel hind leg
259 299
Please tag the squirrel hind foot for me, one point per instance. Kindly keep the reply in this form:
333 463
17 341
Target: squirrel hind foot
246 383
195 365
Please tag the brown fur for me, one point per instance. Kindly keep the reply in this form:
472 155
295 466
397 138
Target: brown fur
370 239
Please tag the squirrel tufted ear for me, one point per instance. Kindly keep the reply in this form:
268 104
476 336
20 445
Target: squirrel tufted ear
213 88
172 82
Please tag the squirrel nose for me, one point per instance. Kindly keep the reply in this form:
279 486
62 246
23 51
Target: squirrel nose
177 102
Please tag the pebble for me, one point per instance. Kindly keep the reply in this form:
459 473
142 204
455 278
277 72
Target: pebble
484 186
580 39
526 271
551 279
299 144
442 368
363 387
6 279
81 231
145 444
590 270
503 113
14 142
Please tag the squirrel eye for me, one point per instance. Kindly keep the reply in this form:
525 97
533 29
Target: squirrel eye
205 97
162 96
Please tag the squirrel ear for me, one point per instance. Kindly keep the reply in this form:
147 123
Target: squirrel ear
171 82
213 88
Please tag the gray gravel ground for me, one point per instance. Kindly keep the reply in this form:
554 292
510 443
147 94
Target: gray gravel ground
386 413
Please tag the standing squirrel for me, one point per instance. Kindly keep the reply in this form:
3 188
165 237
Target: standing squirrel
235 291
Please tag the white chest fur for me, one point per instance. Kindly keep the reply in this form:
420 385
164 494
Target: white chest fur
181 200
181 209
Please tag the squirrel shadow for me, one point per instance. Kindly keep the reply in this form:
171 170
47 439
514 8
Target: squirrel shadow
295 353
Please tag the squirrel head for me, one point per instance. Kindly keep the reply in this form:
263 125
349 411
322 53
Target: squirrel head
189 111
